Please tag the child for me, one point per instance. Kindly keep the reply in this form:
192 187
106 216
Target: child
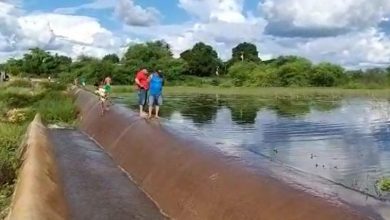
101 92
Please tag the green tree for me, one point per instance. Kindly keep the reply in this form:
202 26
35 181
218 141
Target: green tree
327 74
36 62
202 60
113 58
247 51
14 66
293 71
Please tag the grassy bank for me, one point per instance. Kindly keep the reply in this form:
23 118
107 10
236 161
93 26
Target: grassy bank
19 101
267 92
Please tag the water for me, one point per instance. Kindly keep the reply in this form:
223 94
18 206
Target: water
346 141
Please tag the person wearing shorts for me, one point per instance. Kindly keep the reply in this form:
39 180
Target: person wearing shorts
107 88
142 83
156 82
101 92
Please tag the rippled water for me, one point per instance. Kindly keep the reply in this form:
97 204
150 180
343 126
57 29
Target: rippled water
346 141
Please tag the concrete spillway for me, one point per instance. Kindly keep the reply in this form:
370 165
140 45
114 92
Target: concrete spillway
190 180
125 167
94 186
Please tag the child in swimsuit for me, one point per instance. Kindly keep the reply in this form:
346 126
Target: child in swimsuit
101 92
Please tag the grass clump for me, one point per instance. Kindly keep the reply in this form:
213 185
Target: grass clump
57 107
20 83
384 184
18 100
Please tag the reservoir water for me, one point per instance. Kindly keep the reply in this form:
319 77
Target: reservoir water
346 141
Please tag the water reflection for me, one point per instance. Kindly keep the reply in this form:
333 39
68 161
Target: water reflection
346 141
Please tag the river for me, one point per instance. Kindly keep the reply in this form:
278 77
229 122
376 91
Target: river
345 140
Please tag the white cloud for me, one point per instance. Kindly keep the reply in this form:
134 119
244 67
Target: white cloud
97 4
217 10
65 34
322 18
133 14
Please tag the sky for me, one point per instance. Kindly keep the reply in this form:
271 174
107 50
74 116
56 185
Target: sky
352 33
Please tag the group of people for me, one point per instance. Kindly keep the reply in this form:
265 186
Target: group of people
149 91
149 88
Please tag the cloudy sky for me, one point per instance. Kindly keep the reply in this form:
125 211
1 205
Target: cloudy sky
353 33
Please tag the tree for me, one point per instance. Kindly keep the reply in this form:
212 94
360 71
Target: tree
327 74
202 60
14 66
247 51
34 62
292 71
150 55
113 58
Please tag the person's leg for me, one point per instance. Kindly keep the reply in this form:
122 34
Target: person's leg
150 104
102 107
141 99
159 103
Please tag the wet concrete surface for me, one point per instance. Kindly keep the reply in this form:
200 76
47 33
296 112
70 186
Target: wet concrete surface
94 186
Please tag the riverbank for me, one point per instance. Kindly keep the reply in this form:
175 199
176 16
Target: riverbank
281 92
20 100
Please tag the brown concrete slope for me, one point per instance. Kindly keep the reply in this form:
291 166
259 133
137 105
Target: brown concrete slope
39 193
94 186
190 180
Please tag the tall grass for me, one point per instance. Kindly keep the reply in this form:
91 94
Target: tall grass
56 107
19 102
20 83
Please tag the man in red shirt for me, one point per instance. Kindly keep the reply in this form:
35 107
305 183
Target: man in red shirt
141 80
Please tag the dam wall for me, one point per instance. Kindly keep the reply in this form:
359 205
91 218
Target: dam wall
39 191
191 180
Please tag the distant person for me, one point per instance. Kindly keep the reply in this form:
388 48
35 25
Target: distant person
83 83
101 92
156 83
107 88
141 80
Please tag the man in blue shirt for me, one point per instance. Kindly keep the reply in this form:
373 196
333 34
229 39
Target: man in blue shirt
156 83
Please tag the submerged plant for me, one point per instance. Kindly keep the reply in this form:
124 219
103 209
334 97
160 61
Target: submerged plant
384 184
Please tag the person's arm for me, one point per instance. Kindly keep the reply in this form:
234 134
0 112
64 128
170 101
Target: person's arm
137 82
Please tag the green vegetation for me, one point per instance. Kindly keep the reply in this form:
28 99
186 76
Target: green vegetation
197 66
384 184
19 102
276 92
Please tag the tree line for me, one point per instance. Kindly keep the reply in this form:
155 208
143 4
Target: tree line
245 68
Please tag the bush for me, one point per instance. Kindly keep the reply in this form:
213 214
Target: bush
52 86
21 83
10 136
241 72
18 100
57 107
384 184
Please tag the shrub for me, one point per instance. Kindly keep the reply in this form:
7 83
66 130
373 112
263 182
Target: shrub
52 86
384 184
241 72
21 83
18 100
57 107
16 116
10 136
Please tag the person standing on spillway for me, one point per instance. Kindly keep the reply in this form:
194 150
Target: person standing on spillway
141 80
156 83
107 87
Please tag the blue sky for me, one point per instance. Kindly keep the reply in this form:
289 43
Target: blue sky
355 34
